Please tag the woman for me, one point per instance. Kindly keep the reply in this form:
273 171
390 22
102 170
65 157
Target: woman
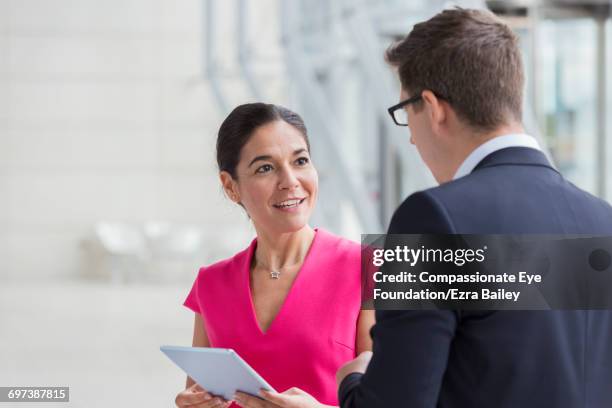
290 303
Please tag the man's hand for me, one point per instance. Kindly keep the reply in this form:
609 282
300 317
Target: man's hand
358 365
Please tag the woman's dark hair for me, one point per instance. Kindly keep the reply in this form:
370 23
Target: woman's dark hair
241 123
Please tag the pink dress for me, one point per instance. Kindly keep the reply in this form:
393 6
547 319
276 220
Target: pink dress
314 332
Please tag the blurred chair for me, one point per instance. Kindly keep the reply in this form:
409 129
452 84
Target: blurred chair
157 251
117 251
176 250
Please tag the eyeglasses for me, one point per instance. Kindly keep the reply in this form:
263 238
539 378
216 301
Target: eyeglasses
398 114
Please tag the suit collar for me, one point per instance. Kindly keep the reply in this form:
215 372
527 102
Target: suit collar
515 156
492 145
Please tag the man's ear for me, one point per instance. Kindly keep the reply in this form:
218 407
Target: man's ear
435 109
229 186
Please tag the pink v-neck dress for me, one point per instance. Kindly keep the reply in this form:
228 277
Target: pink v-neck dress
314 332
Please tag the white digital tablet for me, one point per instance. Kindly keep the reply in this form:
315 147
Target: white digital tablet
219 371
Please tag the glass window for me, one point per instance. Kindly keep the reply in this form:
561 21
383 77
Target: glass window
567 96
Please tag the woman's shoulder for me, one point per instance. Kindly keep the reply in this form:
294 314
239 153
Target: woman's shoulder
233 263
330 238
342 256
338 244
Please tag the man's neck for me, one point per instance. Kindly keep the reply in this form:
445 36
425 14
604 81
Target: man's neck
501 131
467 142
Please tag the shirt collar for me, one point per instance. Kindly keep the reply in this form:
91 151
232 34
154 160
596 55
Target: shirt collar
493 145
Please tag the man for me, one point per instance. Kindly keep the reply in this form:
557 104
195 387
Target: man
462 88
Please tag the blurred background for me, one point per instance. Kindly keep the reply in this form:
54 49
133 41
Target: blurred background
109 198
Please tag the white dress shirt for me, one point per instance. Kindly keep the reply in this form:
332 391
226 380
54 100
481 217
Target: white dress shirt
493 145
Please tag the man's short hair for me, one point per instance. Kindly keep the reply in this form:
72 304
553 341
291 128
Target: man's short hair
468 57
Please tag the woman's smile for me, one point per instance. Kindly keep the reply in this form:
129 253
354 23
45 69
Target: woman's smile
289 205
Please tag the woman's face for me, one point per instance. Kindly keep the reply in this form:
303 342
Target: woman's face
276 182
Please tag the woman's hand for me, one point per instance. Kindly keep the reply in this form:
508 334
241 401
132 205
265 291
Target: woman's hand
292 398
197 397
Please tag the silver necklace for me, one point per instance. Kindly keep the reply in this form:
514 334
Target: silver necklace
275 273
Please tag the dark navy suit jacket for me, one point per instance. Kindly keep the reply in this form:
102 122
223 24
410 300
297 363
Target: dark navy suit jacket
470 359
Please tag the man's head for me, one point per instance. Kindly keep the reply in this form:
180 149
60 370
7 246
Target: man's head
466 66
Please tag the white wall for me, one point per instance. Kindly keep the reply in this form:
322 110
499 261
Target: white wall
103 115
